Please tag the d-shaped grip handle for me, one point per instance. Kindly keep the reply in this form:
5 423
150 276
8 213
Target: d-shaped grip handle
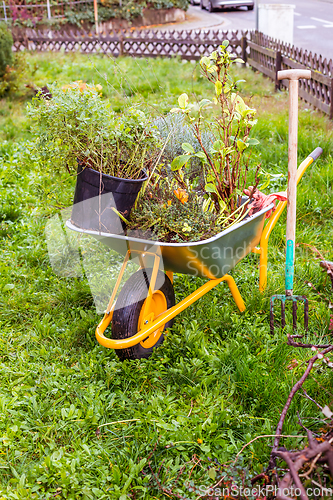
294 74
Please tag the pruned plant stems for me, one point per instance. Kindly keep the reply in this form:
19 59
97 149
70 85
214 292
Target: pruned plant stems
316 451
294 390
229 122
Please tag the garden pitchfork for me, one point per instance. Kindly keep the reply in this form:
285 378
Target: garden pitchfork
293 75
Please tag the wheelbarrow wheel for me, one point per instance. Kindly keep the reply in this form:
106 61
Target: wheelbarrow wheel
128 315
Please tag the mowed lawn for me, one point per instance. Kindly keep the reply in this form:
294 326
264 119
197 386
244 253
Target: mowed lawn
75 422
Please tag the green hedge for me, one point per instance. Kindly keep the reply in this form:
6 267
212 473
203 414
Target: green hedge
107 9
130 9
134 8
6 54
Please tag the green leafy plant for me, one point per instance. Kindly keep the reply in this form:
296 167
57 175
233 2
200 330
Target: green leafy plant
131 8
83 14
12 80
6 54
226 163
78 125
180 131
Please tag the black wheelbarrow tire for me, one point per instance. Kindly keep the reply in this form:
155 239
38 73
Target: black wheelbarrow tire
126 317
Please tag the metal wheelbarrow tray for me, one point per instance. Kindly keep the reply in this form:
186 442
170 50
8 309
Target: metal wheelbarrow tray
211 258
146 307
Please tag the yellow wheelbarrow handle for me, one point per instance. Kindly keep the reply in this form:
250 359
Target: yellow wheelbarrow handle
263 249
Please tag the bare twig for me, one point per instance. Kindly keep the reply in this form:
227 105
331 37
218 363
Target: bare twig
311 399
291 342
301 424
306 474
264 436
190 408
258 477
119 422
293 473
294 390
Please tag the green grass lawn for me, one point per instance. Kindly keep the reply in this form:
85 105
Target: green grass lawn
75 423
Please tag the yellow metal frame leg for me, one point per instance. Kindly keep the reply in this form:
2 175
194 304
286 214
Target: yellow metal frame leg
163 318
234 292
110 307
152 284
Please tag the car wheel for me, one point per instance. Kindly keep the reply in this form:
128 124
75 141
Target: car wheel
201 4
210 6
250 7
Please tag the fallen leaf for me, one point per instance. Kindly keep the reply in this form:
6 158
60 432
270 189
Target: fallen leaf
331 324
293 364
327 412
181 194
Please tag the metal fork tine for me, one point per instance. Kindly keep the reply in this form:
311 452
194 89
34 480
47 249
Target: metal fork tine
294 314
283 314
284 299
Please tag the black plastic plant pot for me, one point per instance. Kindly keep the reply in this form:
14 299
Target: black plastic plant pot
97 195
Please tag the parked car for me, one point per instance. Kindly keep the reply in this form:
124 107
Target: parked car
211 5
194 2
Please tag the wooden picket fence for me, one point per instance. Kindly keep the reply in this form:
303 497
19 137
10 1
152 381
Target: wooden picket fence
190 45
257 50
270 56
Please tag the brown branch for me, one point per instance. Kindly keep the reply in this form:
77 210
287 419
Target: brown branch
303 426
190 409
245 176
257 478
293 471
315 450
294 390
291 342
166 491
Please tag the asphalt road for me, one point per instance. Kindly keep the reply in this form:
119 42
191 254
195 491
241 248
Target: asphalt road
313 28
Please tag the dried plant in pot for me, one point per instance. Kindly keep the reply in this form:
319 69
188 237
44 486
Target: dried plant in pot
110 154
